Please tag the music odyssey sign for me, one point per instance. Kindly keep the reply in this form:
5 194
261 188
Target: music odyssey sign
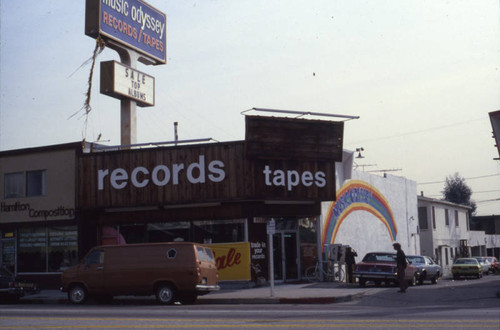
132 23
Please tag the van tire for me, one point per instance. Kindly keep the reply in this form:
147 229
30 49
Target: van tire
165 294
77 294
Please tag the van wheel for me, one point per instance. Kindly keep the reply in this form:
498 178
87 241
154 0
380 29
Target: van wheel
165 294
189 299
77 294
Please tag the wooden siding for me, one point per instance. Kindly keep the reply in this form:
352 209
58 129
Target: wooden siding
244 179
298 139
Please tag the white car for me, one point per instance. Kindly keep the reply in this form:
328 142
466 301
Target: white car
428 270
485 264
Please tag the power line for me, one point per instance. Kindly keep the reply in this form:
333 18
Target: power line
489 200
471 178
419 131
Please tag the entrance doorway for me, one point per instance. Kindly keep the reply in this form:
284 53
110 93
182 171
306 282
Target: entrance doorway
285 252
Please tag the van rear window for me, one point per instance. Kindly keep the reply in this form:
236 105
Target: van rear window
205 254
201 253
210 255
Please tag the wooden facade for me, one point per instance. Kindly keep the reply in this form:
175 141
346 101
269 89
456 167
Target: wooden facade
298 139
205 173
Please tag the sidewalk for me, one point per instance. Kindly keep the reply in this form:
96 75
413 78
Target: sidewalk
234 293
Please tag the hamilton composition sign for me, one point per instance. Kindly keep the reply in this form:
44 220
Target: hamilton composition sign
132 23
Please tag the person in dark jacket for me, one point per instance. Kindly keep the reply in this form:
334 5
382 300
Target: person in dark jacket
350 262
401 266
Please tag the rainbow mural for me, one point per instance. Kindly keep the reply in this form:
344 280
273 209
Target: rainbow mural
356 195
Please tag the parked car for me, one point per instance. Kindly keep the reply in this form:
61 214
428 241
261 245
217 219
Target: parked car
494 264
11 289
466 267
175 271
428 270
379 267
485 264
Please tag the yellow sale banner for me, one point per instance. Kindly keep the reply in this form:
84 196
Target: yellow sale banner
232 260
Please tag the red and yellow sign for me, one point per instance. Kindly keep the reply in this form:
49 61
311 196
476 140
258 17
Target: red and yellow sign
233 261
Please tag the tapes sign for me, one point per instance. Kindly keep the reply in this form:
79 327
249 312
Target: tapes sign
131 23
121 81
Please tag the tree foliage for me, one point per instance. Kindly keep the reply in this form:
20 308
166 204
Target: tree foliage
458 192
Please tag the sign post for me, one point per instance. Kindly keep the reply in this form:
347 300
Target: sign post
271 229
137 31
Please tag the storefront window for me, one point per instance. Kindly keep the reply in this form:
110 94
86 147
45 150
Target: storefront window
202 231
32 253
218 231
134 233
8 253
168 231
307 230
46 249
63 248
308 246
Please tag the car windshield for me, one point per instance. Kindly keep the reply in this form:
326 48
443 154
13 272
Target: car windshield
379 257
466 261
416 259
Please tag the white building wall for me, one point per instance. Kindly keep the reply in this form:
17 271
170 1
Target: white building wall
441 240
364 231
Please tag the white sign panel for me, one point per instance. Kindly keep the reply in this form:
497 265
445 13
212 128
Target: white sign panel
121 81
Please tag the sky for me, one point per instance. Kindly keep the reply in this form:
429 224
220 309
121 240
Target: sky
421 75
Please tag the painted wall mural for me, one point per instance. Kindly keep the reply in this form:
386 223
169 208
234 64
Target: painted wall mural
356 195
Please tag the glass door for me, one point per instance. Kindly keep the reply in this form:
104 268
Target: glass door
285 256
278 257
291 261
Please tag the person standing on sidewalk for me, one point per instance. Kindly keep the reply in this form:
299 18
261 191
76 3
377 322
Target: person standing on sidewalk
401 266
350 262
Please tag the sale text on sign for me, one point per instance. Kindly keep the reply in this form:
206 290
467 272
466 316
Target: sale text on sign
121 81
233 261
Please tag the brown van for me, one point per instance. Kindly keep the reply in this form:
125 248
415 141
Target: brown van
179 271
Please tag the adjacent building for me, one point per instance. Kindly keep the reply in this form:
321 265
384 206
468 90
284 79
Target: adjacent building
38 218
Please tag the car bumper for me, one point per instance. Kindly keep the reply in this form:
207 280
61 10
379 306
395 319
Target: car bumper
466 272
378 275
207 288
19 291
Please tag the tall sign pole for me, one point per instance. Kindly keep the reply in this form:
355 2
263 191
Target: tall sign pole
128 107
137 31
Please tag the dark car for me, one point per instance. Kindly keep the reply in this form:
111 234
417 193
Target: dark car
11 289
378 267
428 270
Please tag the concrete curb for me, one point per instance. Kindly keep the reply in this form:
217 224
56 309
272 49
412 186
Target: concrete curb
41 299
